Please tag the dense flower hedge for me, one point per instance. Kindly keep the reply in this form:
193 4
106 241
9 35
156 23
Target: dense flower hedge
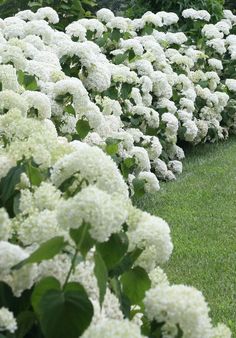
89 117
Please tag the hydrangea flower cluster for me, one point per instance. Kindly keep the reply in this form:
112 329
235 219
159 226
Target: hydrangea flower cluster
87 116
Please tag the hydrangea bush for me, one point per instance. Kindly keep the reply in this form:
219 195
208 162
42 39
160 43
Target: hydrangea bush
88 117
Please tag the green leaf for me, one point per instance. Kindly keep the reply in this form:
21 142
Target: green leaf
26 80
116 35
112 146
70 110
148 29
25 321
135 283
203 84
30 82
120 58
20 77
127 166
44 285
132 54
46 251
114 249
101 274
138 185
65 314
126 263
8 183
34 174
83 128
112 93
126 90
82 238
123 299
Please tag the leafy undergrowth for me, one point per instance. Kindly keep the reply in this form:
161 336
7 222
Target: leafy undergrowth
201 209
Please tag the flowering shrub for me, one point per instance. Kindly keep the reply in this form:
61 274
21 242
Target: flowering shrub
79 120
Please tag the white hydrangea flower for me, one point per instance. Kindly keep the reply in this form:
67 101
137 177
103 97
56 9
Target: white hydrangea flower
110 308
152 18
5 225
151 181
21 279
171 126
47 13
120 23
217 44
9 99
40 102
141 156
113 328
158 277
105 15
8 78
75 29
38 227
231 84
168 18
93 165
182 305
93 25
196 15
104 213
57 267
7 320
160 168
133 44
151 234
215 63
221 331
229 15
224 26
191 130
175 166
212 32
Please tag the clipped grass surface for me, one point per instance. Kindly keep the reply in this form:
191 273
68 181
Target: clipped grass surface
200 207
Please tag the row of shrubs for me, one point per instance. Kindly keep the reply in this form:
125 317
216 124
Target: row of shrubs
90 116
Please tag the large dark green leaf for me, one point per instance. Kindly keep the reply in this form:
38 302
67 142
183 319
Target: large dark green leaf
112 146
126 263
101 274
65 314
8 183
126 90
47 250
120 58
135 283
82 238
44 285
83 128
116 35
114 249
25 321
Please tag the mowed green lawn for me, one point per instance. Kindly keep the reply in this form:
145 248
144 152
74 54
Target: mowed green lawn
200 207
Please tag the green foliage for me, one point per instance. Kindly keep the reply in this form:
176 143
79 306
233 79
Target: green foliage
46 251
82 128
101 274
68 10
135 283
62 313
136 8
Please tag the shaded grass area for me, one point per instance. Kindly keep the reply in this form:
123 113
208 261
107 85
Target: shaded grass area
200 207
